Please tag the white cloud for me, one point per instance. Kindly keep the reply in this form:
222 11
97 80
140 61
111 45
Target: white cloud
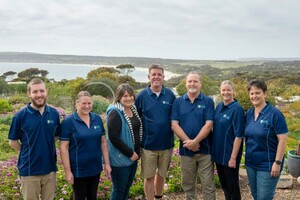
194 29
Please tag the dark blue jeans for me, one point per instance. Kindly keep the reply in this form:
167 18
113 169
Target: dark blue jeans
262 185
122 178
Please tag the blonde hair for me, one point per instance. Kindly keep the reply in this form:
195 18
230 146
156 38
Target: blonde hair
228 82
82 94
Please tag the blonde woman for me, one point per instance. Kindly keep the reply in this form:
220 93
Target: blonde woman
82 146
228 133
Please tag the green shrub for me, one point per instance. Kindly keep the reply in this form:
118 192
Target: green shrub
6 120
18 99
5 106
18 88
5 150
100 104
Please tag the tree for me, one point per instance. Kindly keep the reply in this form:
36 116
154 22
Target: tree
27 74
3 86
180 88
96 73
127 79
242 94
208 86
9 75
126 69
74 86
102 89
44 73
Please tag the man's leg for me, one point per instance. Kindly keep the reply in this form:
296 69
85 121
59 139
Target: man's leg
188 177
206 174
30 187
159 182
48 186
164 160
149 161
149 188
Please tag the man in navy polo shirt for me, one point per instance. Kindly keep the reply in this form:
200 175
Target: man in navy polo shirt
32 133
192 122
154 104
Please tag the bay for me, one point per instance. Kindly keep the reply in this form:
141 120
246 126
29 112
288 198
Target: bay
59 72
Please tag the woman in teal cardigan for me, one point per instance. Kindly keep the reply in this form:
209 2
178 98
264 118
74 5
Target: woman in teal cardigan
124 129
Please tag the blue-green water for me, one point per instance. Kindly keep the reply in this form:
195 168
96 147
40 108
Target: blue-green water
69 71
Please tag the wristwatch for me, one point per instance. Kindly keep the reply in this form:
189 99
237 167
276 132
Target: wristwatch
278 162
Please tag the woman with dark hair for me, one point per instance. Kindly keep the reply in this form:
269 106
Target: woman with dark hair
266 133
124 129
228 133
82 146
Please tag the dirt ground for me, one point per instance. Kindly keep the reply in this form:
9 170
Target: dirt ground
292 193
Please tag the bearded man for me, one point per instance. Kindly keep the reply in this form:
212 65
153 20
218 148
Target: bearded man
33 132
192 121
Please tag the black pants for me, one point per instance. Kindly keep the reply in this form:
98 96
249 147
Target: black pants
86 188
229 179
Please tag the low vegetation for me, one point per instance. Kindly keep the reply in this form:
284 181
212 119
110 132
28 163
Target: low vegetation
284 83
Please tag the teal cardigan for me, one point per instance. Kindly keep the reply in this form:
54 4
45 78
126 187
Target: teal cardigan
117 159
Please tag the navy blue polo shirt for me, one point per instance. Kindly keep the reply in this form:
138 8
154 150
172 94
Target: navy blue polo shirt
85 144
156 118
261 137
191 118
36 134
229 123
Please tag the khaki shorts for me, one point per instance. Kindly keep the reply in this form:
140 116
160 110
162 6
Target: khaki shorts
39 186
155 161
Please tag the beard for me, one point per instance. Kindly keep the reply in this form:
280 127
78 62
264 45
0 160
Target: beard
38 104
192 90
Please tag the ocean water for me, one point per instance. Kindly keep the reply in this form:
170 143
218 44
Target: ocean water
71 71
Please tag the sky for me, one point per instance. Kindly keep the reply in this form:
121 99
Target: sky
179 29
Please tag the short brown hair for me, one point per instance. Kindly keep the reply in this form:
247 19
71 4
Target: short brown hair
260 84
34 81
121 91
156 66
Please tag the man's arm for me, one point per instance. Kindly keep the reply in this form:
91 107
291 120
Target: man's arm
204 132
15 144
179 132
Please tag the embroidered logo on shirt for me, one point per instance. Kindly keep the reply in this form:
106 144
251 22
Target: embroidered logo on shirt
165 102
226 116
49 121
264 121
96 127
201 106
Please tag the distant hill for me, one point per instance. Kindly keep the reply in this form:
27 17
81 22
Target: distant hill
27 57
266 68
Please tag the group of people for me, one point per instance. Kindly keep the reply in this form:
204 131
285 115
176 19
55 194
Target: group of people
142 128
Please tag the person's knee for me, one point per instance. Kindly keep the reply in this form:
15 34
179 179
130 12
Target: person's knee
149 180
